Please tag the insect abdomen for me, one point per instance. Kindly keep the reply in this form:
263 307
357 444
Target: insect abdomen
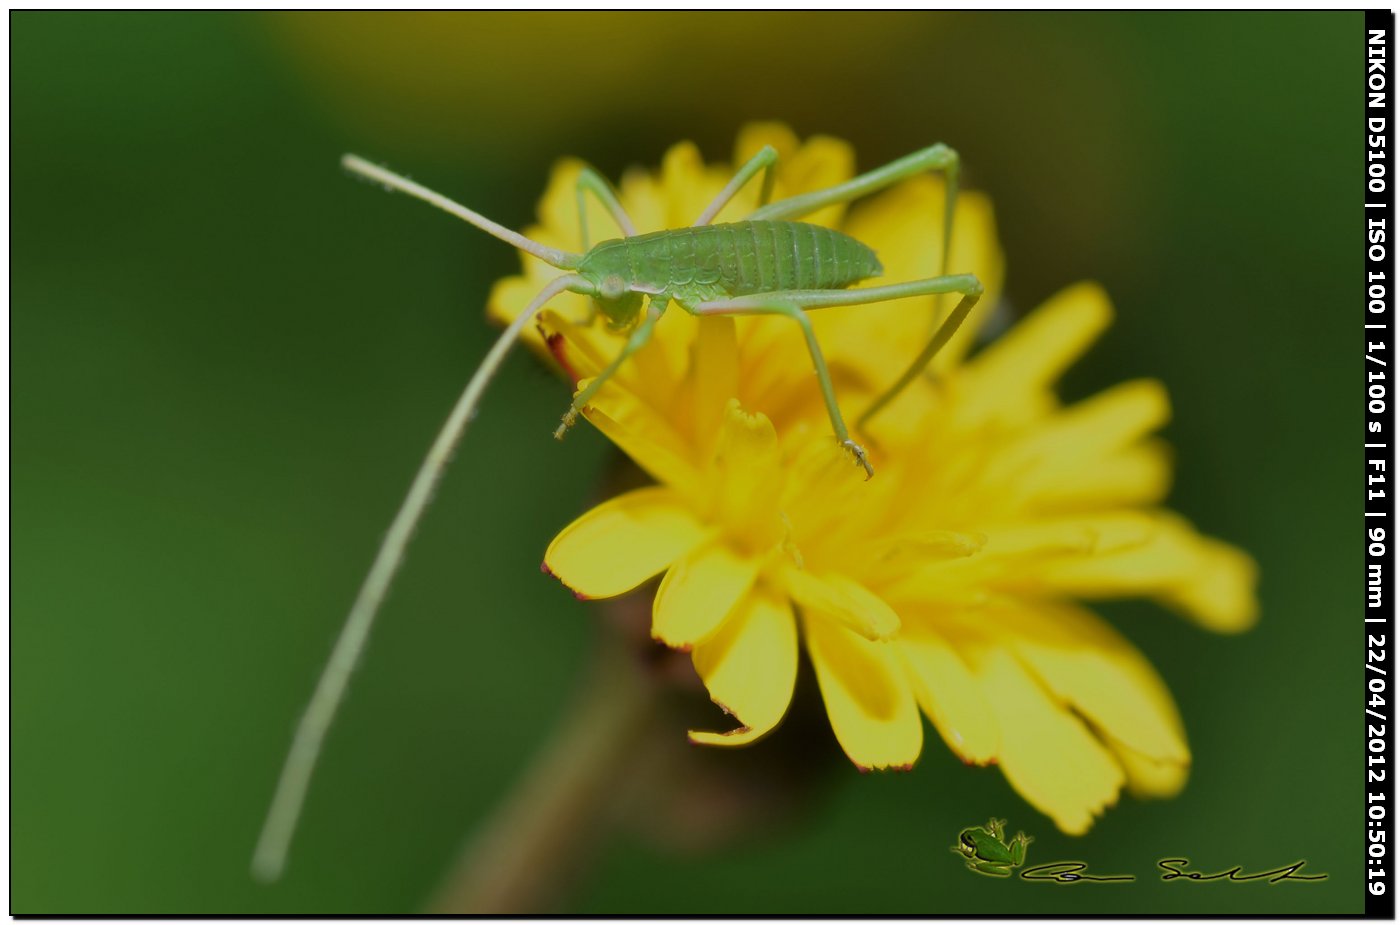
747 257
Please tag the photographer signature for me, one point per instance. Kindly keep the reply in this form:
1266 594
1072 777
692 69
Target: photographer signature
1175 869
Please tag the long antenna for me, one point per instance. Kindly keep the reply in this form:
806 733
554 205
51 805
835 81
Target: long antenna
356 164
270 856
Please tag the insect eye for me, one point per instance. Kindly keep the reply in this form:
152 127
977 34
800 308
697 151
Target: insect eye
613 287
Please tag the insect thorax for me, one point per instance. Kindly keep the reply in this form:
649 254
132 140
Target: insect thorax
693 265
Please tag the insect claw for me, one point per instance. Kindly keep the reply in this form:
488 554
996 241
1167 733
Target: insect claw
856 450
569 418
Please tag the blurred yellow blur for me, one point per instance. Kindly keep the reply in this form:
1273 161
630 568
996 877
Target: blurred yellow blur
448 79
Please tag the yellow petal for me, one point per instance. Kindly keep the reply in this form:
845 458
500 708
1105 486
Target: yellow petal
775 368
1139 474
1138 570
904 554
618 545
1148 779
826 492
904 226
644 435
644 199
949 694
977 250
510 295
750 478
754 135
1046 752
1060 446
1105 423
750 667
822 162
654 372
1013 556
583 350
1153 776
844 600
1084 662
939 544
1084 533
802 168
508 299
751 139
1219 592
558 208
868 697
1210 581
578 350
1032 355
699 593
674 342
713 378
687 184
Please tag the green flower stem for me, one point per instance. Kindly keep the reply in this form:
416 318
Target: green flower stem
529 850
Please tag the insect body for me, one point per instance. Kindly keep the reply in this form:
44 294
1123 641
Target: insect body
769 264
696 265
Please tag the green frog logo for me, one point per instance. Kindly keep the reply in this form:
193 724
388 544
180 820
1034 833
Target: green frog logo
988 852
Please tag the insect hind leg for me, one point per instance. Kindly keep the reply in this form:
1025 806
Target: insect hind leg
940 337
966 284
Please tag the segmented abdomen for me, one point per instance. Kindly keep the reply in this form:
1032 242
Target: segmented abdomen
748 257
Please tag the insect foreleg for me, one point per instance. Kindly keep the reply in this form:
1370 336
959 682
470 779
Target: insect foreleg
779 303
939 157
271 854
637 340
765 160
591 181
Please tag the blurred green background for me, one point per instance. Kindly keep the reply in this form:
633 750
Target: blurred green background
228 359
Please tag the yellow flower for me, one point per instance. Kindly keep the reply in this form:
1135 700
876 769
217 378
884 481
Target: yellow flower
948 585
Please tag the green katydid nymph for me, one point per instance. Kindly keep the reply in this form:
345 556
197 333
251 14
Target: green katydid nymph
767 264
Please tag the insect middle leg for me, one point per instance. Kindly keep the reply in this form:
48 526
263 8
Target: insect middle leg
591 181
767 161
779 303
638 339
